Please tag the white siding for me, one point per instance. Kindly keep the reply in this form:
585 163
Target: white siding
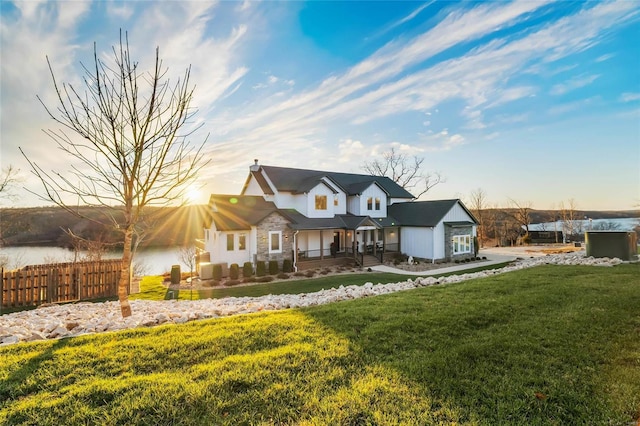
457 214
253 188
417 242
438 236
373 192
321 190
398 200
287 200
309 242
216 245
353 205
341 208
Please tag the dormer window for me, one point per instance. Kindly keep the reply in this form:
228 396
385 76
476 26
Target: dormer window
377 203
321 202
370 203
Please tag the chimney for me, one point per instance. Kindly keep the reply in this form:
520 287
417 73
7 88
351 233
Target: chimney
255 167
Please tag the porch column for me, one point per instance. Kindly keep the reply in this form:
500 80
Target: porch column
375 241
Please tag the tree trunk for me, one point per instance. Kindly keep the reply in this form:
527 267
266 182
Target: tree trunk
123 295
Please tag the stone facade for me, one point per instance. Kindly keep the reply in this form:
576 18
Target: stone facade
274 222
449 233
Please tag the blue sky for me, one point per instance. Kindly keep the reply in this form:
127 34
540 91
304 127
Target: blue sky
534 101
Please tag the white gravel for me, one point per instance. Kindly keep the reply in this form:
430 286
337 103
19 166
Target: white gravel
59 321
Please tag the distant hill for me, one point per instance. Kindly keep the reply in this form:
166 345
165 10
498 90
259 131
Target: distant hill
171 226
168 226
539 216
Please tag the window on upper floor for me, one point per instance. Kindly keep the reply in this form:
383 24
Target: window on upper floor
377 203
370 203
242 242
321 202
230 241
335 200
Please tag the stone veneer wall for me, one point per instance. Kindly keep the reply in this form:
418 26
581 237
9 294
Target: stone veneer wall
274 222
449 233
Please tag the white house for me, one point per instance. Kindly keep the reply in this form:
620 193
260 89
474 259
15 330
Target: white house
314 217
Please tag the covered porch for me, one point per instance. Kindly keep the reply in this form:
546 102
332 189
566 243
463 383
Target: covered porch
349 244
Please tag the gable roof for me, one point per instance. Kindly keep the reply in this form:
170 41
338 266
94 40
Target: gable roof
239 212
297 180
424 213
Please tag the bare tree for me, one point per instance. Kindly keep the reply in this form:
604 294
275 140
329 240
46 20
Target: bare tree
521 213
608 225
569 216
406 172
478 204
9 177
132 152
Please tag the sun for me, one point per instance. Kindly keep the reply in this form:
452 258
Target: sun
192 195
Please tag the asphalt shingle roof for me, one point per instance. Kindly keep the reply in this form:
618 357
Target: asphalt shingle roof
421 213
238 212
298 180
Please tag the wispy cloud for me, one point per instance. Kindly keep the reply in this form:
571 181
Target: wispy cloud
630 97
573 83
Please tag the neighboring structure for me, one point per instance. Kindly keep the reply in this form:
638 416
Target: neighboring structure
545 237
314 217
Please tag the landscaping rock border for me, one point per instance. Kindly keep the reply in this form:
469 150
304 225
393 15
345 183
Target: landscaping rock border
59 321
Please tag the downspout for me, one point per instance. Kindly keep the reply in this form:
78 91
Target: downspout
295 252
433 244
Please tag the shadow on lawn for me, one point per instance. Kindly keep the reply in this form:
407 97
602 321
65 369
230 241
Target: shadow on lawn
17 378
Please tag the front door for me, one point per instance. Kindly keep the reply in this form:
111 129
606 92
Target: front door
336 240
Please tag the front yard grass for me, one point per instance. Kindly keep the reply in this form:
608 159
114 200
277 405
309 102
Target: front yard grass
151 287
546 345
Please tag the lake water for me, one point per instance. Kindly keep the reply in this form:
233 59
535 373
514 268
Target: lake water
152 261
619 224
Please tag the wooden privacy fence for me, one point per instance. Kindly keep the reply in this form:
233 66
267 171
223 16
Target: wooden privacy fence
60 282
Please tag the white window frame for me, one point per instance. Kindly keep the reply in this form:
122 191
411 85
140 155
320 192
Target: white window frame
279 234
461 244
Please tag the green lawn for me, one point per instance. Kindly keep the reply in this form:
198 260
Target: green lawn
546 345
151 288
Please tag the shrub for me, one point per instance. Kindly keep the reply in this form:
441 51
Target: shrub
273 267
250 280
264 279
230 283
309 274
261 268
283 276
287 265
299 274
234 271
368 269
457 260
247 269
484 257
324 272
217 272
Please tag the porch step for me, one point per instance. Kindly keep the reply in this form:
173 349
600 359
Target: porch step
370 260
